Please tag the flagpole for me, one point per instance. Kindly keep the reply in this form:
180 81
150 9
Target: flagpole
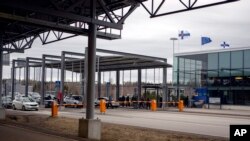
173 39
178 46
201 44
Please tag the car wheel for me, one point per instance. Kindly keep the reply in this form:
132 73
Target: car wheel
36 109
13 107
23 108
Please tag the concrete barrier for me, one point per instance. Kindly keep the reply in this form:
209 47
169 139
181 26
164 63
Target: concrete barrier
90 129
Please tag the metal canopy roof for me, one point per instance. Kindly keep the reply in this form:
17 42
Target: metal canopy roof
107 63
22 21
152 86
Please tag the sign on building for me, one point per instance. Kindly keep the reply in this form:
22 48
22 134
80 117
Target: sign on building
214 100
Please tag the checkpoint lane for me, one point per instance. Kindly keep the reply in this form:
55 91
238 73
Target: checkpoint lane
212 124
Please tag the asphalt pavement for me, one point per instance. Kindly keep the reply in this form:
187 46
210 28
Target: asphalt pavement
212 122
13 133
212 111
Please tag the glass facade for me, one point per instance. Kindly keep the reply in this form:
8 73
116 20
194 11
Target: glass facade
224 74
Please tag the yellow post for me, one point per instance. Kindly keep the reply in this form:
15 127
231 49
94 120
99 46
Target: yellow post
180 106
54 109
102 106
153 105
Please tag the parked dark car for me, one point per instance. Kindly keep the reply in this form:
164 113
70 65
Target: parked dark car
6 102
48 99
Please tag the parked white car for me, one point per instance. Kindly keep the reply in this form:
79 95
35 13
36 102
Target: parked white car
74 99
109 103
24 103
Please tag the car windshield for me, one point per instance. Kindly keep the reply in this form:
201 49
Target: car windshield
36 94
79 98
48 97
26 99
6 99
51 92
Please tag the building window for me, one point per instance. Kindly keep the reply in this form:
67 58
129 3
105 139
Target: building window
224 64
212 61
236 64
175 64
181 64
237 59
246 59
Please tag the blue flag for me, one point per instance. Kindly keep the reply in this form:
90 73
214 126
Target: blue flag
224 45
205 40
183 34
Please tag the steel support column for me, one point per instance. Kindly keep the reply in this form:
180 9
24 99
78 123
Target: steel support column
24 73
164 87
83 86
43 80
178 78
81 82
85 80
19 76
139 84
117 84
62 75
157 97
91 63
99 84
34 77
1 72
27 76
13 79
1 68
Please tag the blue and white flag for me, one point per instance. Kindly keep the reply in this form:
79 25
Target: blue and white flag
184 34
224 45
205 40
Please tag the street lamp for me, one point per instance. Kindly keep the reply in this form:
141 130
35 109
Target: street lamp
173 39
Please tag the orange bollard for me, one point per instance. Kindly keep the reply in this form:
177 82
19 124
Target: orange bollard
102 106
153 105
54 109
180 106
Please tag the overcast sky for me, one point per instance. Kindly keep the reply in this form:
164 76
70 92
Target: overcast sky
150 36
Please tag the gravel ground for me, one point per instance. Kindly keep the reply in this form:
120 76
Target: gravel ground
68 127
